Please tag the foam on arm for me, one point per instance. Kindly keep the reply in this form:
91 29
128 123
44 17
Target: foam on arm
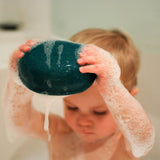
20 117
125 109
15 114
131 118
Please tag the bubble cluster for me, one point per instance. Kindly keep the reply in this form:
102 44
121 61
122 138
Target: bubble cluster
46 104
131 119
12 104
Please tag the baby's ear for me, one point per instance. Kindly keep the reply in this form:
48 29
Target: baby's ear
134 91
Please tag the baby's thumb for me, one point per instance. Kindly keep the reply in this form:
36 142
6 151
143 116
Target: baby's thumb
14 59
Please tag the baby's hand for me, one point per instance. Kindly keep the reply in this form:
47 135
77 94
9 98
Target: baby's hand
96 60
19 53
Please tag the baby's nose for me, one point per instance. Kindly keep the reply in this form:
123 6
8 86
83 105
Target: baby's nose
84 120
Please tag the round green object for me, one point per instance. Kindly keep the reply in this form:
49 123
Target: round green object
51 68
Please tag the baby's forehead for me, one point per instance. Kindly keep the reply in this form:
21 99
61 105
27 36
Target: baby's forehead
89 98
83 103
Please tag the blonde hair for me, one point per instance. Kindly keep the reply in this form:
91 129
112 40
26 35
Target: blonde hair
119 45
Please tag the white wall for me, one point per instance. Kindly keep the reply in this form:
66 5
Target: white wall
34 15
149 85
140 18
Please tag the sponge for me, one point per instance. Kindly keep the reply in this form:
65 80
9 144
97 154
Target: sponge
51 68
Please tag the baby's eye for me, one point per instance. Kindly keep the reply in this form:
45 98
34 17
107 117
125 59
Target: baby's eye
100 112
72 108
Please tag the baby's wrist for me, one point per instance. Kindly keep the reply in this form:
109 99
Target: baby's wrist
14 77
109 89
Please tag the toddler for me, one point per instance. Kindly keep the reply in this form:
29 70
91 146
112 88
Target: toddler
105 122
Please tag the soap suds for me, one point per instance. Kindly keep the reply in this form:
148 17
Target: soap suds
48 46
78 51
132 122
10 109
60 50
49 84
46 104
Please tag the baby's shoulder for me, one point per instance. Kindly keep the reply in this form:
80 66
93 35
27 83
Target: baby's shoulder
58 125
121 152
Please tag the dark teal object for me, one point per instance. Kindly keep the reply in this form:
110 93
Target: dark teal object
51 68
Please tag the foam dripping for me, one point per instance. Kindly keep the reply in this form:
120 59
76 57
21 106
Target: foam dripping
45 104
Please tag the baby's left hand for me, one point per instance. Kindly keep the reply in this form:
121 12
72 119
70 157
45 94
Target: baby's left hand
96 60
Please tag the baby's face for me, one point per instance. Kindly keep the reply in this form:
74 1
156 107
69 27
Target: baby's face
88 116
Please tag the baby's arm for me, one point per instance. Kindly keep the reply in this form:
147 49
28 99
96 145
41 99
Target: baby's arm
125 109
18 103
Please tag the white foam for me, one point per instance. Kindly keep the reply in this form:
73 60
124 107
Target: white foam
48 46
78 51
11 104
49 84
46 121
60 50
46 105
126 110
131 119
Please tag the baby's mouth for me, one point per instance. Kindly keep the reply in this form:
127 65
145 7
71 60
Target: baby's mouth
85 132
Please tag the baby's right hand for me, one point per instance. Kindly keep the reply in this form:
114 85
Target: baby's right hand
19 53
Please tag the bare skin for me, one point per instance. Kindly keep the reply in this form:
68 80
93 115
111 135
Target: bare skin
90 130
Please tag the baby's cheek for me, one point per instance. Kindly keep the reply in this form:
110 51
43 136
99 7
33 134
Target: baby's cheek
112 126
107 126
70 119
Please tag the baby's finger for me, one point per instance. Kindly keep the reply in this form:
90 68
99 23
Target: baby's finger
14 59
32 42
20 54
17 54
24 48
89 49
97 69
87 60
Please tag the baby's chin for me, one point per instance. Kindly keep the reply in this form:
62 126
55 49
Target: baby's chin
89 138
